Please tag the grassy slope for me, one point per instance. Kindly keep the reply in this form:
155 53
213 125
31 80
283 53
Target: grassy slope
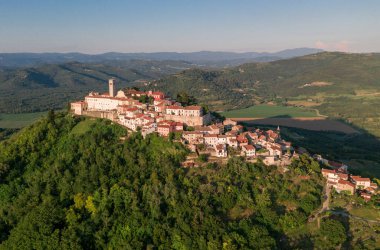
19 120
266 111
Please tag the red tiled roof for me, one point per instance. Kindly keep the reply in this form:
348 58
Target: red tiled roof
108 97
192 132
359 178
132 109
343 182
342 176
174 107
325 170
193 108
249 147
216 136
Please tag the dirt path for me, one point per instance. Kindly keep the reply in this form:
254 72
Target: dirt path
325 205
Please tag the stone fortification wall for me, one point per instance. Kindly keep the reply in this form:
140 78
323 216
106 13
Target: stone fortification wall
111 115
190 120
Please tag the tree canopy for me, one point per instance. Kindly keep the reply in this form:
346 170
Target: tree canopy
73 183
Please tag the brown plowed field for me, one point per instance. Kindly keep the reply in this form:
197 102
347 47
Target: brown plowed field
310 123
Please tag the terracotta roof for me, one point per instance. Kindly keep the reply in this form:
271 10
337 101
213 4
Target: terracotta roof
249 147
174 107
325 170
108 97
163 126
202 128
193 108
132 109
216 136
192 132
359 178
343 182
342 176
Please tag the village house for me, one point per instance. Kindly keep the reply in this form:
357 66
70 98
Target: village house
221 150
192 137
78 107
232 142
211 140
343 182
361 183
248 150
275 150
164 129
242 140
165 116
343 185
156 95
228 123
238 128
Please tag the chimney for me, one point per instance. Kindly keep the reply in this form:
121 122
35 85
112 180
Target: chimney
111 86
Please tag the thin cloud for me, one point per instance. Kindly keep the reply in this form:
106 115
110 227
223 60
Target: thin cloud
342 46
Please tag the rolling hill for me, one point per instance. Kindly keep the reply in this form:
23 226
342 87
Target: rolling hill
208 58
53 85
339 85
70 183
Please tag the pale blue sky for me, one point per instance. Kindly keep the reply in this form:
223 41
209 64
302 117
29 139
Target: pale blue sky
92 26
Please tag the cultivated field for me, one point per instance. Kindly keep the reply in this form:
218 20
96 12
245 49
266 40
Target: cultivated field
267 111
316 124
19 120
287 116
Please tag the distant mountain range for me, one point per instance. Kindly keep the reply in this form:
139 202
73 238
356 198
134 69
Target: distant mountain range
201 58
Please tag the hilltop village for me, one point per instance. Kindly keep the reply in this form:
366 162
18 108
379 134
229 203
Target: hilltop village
153 112
165 116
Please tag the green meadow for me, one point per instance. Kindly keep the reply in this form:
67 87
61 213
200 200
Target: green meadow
19 120
267 111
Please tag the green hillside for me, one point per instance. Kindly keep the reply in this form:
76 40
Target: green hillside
71 183
54 85
339 85
268 111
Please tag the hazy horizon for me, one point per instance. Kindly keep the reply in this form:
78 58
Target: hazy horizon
187 26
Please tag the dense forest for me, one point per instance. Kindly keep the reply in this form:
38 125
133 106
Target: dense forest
80 183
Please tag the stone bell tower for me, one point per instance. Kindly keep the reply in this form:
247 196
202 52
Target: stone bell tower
111 87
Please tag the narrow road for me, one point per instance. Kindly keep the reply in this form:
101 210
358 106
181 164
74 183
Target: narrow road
343 213
325 204
326 207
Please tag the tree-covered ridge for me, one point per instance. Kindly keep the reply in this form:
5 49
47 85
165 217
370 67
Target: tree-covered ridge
50 86
339 85
75 183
